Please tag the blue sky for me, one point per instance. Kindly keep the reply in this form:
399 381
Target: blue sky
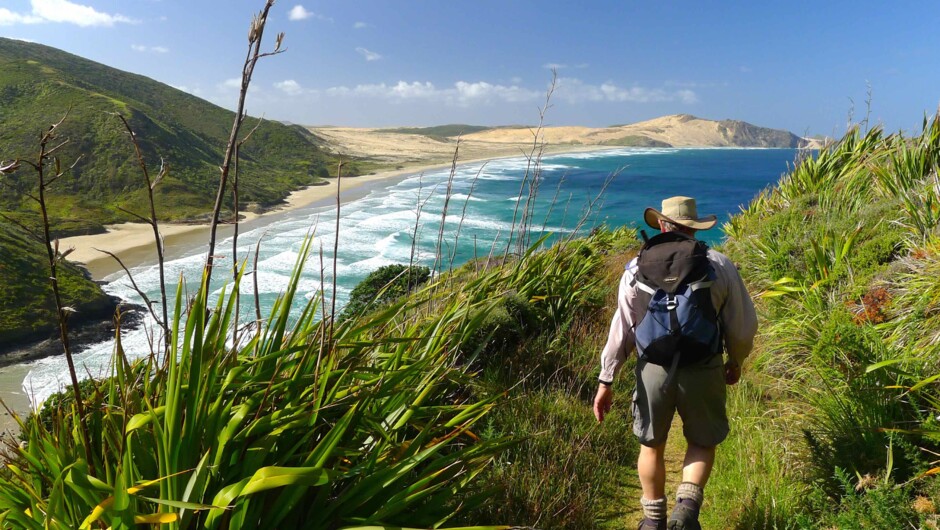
791 65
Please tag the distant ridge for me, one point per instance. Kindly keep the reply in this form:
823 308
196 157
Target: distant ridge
679 130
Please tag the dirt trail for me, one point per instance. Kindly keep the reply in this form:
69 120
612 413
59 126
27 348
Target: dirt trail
628 513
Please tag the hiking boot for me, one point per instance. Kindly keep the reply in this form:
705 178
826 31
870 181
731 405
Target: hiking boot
684 517
649 524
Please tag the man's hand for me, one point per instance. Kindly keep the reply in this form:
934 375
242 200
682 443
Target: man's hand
602 401
732 372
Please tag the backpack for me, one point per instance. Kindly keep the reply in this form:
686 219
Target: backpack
676 323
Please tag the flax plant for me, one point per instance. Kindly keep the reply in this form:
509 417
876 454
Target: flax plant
153 222
253 55
274 434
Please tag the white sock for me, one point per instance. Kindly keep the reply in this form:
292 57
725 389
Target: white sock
691 491
654 510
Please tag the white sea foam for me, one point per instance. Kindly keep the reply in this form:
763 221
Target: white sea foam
608 153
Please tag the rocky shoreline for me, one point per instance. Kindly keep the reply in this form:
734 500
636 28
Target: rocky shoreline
92 327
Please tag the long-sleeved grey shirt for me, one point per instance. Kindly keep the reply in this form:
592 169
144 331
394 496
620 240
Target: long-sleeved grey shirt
738 318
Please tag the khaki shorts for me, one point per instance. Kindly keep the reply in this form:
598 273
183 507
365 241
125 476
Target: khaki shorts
697 391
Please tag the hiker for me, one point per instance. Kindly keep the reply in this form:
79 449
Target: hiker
678 303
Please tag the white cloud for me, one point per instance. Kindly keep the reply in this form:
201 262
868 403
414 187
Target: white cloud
63 11
299 12
562 66
369 55
153 49
9 18
361 25
234 82
687 96
487 91
72 13
461 94
576 91
289 87
697 84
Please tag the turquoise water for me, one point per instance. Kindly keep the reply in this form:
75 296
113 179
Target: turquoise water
378 229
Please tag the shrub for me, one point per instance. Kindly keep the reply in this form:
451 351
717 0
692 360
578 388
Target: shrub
382 286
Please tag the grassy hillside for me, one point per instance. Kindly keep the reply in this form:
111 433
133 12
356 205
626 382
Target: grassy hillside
836 423
39 84
27 309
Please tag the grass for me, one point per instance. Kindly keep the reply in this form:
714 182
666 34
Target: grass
841 253
440 132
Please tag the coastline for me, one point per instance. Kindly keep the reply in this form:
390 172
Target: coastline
134 243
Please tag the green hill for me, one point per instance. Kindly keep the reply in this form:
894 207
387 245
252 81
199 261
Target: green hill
27 308
38 84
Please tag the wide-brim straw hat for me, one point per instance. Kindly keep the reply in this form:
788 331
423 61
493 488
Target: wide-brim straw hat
680 211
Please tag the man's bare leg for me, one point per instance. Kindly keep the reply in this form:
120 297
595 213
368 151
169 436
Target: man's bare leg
651 466
689 495
698 464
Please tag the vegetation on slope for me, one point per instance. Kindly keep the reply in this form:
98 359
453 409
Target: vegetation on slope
39 84
27 310
440 131
836 425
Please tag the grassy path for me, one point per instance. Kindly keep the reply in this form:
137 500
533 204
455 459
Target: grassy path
625 511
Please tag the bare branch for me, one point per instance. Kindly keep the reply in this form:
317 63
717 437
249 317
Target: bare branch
138 216
253 54
137 289
154 224
339 180
25 228
52 151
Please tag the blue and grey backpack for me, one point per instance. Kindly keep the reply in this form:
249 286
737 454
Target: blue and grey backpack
676 323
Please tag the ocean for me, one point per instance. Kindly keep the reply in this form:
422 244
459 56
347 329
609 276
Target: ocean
378 229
